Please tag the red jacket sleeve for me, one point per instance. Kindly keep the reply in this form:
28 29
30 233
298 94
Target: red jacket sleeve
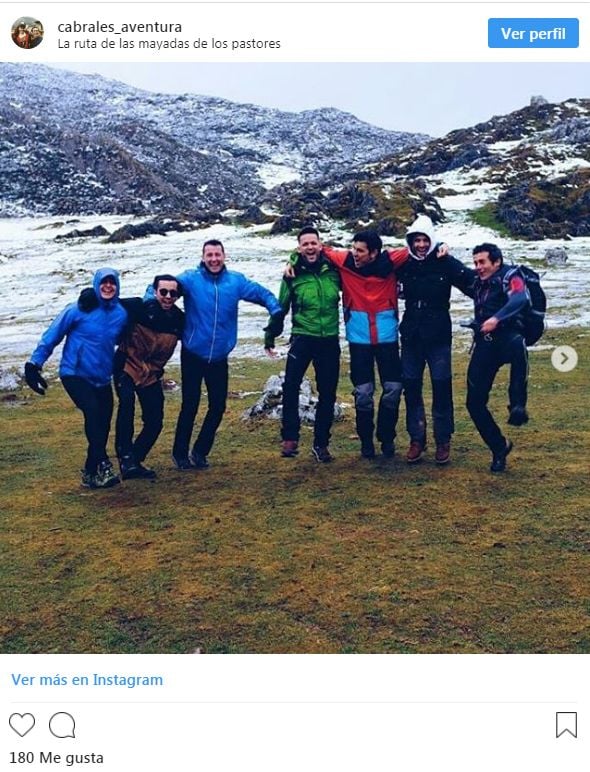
398 256
336 256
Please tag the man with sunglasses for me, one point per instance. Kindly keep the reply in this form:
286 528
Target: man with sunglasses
154 327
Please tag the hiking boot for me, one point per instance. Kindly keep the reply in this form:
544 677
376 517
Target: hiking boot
182 464
145 473
388 449
415 451
199 461
518 416
105 476
443 453
289 448
129 467
368 449
87 480
322 454
499 459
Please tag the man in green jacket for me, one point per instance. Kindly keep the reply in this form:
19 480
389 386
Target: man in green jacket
313 296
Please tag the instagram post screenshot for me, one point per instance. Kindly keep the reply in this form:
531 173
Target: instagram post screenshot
294 386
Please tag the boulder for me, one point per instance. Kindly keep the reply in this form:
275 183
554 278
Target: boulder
269 405
538 100
556 256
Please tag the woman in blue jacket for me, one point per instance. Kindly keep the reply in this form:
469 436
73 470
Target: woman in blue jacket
86 368
211 298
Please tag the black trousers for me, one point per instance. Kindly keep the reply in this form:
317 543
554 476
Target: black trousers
363 359
416 354
487 358
194 371
96 404
151 399
324 353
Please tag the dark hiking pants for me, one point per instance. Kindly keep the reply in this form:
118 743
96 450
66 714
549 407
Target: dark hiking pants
194 371
487 358
416 354
151 399
363 359
324 353
96 404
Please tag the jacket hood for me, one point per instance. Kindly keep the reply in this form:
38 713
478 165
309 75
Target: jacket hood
422 224
101 274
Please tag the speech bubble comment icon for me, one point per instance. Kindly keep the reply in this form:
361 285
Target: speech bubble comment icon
21 723
62 725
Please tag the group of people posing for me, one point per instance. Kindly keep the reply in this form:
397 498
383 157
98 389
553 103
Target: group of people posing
132 339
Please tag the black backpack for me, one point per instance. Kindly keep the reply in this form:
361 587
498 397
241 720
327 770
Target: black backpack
533 319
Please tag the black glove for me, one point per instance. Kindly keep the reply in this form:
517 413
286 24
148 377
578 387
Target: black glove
34 378
87 301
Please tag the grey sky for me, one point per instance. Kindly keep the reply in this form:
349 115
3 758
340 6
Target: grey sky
429 98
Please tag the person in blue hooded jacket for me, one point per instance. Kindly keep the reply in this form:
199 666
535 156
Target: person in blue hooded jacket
86 368
211 298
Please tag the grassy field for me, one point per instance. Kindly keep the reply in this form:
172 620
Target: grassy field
263 554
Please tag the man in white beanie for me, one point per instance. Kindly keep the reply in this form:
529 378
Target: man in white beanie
426 337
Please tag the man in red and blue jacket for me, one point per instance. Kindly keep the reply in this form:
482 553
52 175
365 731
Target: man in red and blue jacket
369 298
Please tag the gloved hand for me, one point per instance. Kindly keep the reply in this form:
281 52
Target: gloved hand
87 301
34 378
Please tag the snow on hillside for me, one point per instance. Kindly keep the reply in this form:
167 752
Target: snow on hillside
40 276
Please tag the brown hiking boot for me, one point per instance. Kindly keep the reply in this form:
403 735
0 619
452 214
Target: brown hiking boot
289 448
443 453
415 452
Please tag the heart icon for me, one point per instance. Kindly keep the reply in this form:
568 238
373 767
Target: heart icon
21 723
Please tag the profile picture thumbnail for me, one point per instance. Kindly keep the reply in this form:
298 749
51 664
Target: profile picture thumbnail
27 32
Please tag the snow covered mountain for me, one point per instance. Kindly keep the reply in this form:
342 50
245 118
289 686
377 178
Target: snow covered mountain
525 174
80 144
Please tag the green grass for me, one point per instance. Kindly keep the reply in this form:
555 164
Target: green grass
486 217
263 554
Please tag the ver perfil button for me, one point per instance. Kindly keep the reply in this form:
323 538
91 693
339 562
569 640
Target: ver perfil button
533 33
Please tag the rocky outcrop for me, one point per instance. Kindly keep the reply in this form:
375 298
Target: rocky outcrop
548 208
99 230
133 231
388 208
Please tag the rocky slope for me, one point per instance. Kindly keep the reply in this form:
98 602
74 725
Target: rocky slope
72 143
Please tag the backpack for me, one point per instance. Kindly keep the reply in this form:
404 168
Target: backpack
533 319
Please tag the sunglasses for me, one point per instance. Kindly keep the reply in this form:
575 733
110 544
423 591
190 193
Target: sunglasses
165 292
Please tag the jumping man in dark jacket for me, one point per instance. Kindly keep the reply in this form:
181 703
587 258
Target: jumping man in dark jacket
500 297
426 336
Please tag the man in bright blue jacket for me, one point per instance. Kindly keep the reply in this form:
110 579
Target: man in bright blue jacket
86 368
211 298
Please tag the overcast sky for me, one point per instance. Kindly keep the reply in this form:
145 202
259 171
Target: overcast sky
428 98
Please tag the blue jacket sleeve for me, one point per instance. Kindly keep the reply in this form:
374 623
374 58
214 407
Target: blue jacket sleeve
54 334
253 292
518 297
517 302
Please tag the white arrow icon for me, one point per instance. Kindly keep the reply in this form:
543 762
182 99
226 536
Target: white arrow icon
564 358
21 723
